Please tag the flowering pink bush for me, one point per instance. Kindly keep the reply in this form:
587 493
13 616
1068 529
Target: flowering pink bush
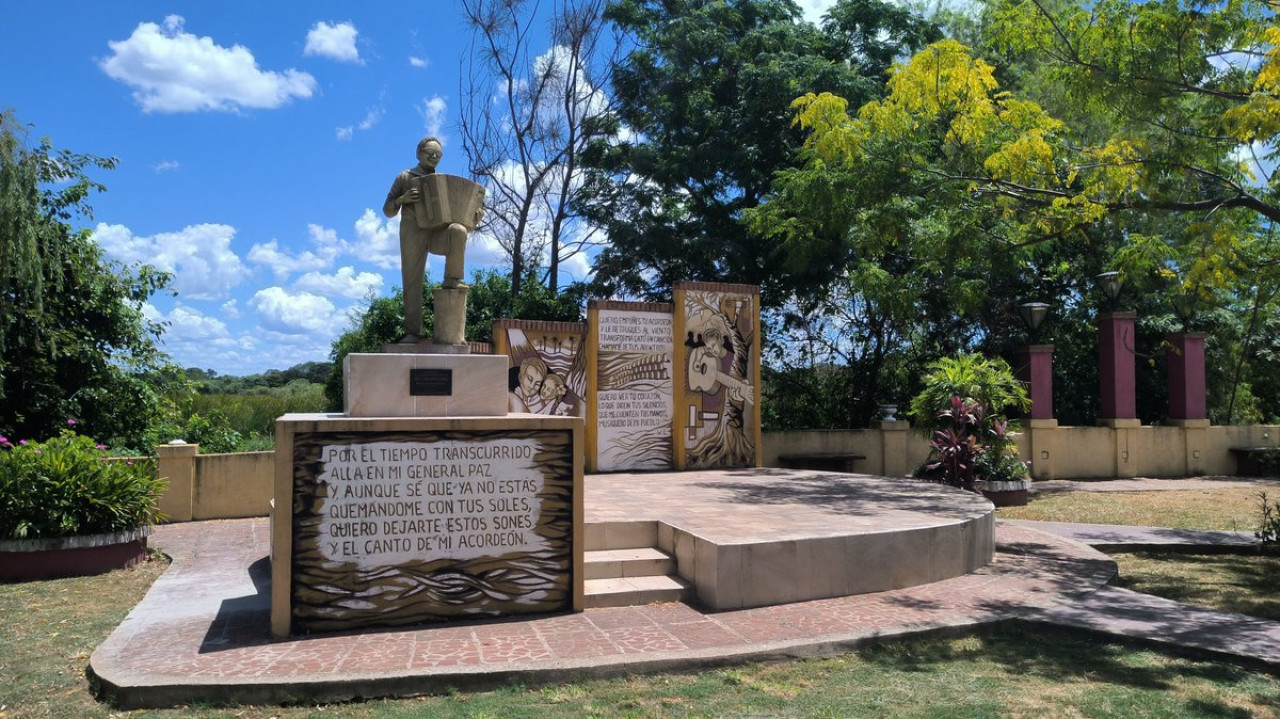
64 486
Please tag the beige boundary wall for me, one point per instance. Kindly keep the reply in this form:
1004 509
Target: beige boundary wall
215 486
1054 452
225 486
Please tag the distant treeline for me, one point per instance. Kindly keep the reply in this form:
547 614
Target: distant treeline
226 413
208 381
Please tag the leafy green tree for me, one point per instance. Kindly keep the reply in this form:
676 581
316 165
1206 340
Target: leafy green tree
1118 136
702 98
74 344
488 299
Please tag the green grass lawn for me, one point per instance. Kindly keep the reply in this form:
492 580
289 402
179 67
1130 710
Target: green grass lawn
1232 508
1245 583
48 630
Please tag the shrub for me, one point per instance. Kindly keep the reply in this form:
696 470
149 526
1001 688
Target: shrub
961 407
973 378
67 486
1268 532
211 432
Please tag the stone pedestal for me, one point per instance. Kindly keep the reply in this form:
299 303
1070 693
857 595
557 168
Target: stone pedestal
1185 365
425 385
1116 338
450 308
402 521
1035 368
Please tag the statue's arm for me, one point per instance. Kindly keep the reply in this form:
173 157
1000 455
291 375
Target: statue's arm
395 198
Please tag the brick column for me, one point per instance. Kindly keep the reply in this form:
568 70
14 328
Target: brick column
1116 339
1185 362
1035 369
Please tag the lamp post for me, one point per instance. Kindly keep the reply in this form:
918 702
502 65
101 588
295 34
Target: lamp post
1035 366
1116 358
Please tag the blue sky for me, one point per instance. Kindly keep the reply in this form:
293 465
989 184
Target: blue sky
257 142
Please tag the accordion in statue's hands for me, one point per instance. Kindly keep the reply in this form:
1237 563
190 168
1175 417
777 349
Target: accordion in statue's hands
446 199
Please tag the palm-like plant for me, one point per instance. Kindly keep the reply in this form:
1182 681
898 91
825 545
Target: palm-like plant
962 409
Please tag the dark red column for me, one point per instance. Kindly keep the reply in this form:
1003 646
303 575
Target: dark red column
1116 365
1035 368
1185 361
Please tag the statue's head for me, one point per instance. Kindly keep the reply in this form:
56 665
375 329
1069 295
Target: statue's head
429 152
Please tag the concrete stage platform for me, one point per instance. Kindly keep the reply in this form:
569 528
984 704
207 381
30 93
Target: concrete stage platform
756 537
761 546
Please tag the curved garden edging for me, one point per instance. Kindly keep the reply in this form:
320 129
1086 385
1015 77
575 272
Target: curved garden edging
50 557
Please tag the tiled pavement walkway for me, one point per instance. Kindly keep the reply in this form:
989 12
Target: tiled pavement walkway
201 633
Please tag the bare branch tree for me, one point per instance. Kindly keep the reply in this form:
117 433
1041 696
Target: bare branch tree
527 114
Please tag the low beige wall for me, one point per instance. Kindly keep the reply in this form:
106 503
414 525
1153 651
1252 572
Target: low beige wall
892 451
215 486
1054 452
223 486
233 485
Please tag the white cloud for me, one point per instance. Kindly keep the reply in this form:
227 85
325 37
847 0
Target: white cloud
419 62
187 324
174 71
166 166
196 340
433 113
378 239
371 118
326 239
200 257
343 283
295 313
336 42
283 263
231 309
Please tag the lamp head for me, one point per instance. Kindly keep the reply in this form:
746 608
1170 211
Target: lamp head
1033 314
1110 283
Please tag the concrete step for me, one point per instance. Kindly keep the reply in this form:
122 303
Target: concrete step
632 591
638 562
621 535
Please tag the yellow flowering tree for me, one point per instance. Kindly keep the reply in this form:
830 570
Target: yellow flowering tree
1190 94
959 194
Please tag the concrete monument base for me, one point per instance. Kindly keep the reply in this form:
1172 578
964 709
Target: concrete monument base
404 521
425 385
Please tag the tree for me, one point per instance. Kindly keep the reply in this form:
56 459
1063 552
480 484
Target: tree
74 344
702 126
526 119
1161 76
954 187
